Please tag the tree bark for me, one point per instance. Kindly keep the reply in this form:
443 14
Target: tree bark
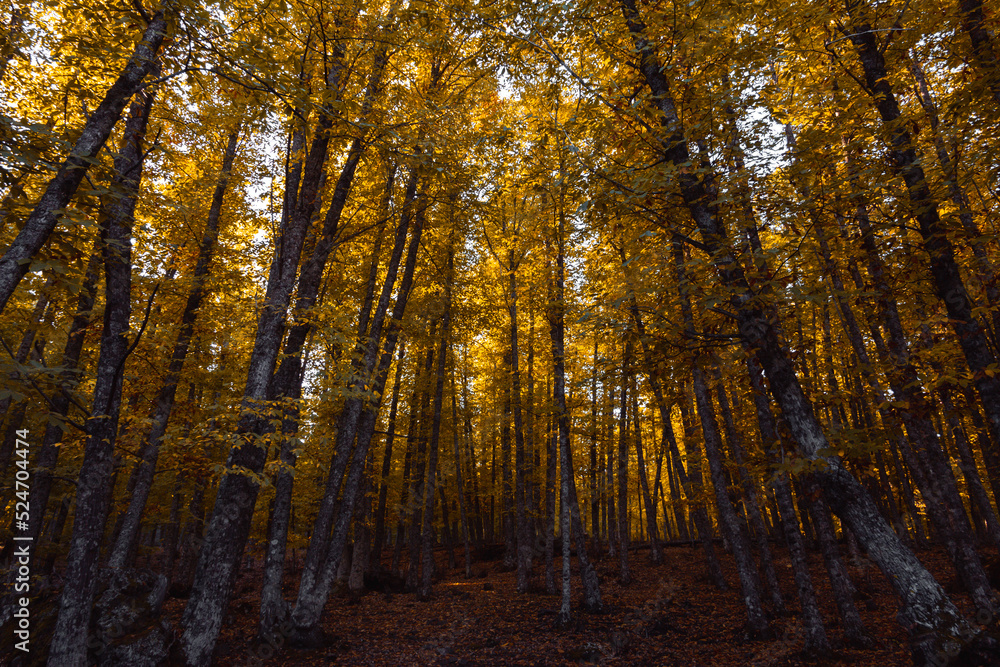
390 437
459 481
311 600
750 586
624 574
751 498
427 556
557 334
69 641
984 55
654 532
362 372
229 525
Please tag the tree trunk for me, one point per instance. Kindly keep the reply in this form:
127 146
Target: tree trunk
984 55
311 599
594 494
592 602
524 545
555 316
624 575
751 498
729 525
551 466
459 482
840 582
816 641
390 437
418 475
507 516
404 493
93 499
229 525
654 532
362 372
427 556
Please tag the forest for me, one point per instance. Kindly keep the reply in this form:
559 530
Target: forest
480 332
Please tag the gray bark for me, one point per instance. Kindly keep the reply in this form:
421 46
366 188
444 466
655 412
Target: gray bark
651 525
390 437
751 497
229 525
624 574
68 647
362 369
459 482
427 556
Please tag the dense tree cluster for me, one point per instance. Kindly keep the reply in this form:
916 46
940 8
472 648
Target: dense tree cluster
361 278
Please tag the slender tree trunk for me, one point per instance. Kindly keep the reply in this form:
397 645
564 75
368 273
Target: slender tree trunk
594 495
609 485
728 522
69 641
524 545
654 532
390 437
840 582
592 602
507 516
23 350
473 466
459 482
404 494
985 269
418 476
48 453
362 372
984 55
362 539
967 462
229 525
33 345
427 556
693 486
750 584
551 466
751 497
624 575
816 640
555 316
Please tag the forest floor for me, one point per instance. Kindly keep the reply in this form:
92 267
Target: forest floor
669 615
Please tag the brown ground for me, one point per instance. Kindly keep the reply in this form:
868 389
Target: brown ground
669 615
